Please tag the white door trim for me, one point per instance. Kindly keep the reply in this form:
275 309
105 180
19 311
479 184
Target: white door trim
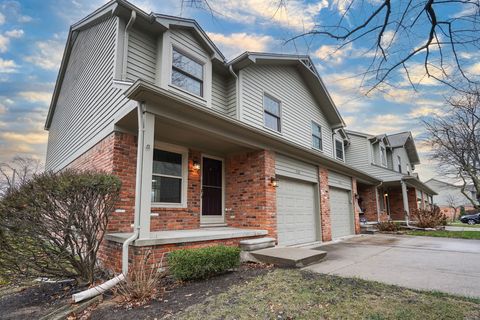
204 220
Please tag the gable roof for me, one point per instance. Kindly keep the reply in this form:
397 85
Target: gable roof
405 140
123 8
307 70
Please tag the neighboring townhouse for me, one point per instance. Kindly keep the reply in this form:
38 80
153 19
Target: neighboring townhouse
209 151
391 159
450 198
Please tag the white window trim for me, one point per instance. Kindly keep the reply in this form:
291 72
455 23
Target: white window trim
335 149
311 135
195 58
280 107
184 188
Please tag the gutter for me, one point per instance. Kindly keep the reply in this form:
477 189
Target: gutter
130 23
95 291
237 91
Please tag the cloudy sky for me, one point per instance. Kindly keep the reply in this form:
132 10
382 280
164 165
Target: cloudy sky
33 34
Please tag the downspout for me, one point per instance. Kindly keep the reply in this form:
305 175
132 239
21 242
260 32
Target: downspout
130 23
90 293
377 199
237 92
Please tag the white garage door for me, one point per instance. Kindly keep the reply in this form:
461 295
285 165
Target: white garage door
296 212
341 212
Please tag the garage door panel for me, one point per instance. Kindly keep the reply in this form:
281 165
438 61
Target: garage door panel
341 213
296 212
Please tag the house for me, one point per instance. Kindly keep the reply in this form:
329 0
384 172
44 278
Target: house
209 151
391 159
450 198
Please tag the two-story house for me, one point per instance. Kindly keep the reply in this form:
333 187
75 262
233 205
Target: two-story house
208 150
391 159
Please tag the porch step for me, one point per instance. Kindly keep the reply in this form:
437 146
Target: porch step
289 257
368 229
257 244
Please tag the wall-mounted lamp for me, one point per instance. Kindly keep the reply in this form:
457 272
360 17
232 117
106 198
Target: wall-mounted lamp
274 182
196 165
385 194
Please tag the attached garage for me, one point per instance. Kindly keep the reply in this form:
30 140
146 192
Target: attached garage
297 202
341 209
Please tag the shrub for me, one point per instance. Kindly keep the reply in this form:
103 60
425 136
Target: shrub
388 226
429 218
189 264
53 224
142 283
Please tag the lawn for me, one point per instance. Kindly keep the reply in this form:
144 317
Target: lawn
294 294
446 234
463 225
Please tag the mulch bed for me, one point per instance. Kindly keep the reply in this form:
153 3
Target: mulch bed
178 296
35 300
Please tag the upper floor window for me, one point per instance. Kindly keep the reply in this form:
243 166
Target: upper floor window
317 136
187 73
383 156
339 153
399 164
169 177
408 169
271 108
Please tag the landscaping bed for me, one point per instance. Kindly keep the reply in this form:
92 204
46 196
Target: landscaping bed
295 294
446 234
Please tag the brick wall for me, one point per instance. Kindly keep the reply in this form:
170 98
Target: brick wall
250 197
325 204
368 201
356 212
395 200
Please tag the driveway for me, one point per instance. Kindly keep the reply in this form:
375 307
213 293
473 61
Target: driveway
448 265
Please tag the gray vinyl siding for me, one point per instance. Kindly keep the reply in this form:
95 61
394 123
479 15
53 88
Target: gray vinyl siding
298 107
218 92
293 168
187 39
358 153
231 97
338 180
141 59
447 193
87 101
404 156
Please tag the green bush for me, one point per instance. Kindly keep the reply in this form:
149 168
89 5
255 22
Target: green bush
189 264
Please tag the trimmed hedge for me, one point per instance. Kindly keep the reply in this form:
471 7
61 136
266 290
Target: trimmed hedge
190 264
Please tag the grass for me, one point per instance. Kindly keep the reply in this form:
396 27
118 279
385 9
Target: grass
464 225
294 294
447 234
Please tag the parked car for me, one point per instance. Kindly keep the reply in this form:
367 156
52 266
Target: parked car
471 218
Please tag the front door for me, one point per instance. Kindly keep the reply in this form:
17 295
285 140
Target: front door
212 190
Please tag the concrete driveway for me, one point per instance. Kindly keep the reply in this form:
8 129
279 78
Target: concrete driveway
448 265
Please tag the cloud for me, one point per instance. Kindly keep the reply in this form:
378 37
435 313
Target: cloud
24 19
47 54
36 96
333 54
29 138
15 33
2 19
425 111
236 43
291 14
8 66
474 69
3 109
4 42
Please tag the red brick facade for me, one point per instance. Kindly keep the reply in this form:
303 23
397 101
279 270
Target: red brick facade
324 192
368 202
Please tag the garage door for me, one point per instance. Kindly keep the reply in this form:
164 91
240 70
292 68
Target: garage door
341 212
296 212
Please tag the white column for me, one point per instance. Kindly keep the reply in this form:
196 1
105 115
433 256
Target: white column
147 166
405 200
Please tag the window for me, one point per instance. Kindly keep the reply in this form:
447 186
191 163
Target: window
399 164
317 136
408 169
339 149
383 156
271 108
187 73
168 177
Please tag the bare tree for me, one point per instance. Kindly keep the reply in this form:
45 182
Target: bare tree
400 35
454 203
455 142
17 171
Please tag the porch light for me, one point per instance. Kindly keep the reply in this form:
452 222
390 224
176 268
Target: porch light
196 165
274 182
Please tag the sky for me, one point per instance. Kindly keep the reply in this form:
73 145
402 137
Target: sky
33 35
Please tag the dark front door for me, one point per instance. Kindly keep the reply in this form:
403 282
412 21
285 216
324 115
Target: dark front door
212 192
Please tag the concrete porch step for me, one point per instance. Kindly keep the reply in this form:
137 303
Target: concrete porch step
257 244
289 257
